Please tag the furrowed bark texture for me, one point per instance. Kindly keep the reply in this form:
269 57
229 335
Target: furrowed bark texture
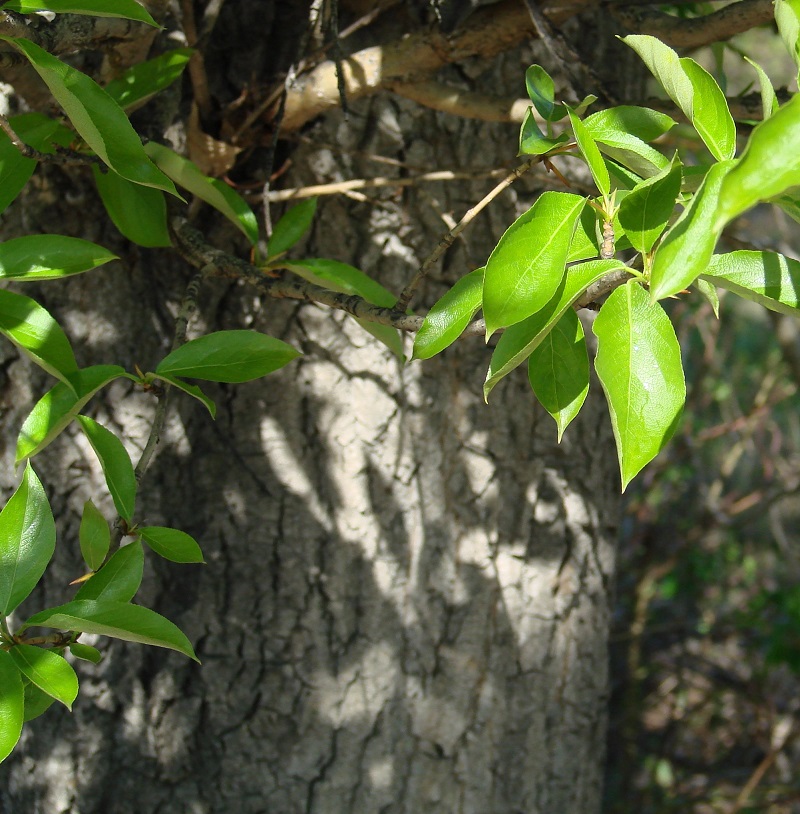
406 601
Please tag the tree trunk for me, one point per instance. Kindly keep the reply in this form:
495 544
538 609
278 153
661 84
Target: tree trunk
406 601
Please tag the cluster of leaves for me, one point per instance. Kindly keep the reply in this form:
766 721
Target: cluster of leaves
564 244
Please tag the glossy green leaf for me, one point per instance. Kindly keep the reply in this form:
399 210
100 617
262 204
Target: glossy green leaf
769 101
119 579
709 294
191 390
787 16
31 328
86 652
769 166
558 370
768 278
518 342
120 620
144 80
94 536
639 365
27 541
172 544
527 265
634 154
642 122
100 121
140 213
532 141
541 92
294 223
645 211
49 257
51 673
11 705
59 406
591 153
585 241
228 356
213 192
127 9
687 247
116 464
36 701
694 90
343 277
449 316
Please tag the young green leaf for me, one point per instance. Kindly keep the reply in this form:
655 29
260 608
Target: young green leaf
127 9
11 705
541 91
687 247
99 120
36 701
709 293
769 101
31 328
172 544
645 210
770 164
144 80
642 122
591 153
27 541
787 16
50 672
342 277
228 356
94 536
140 213
120 620
532 141
119 579
291 227
558 370
694 90
191 390
213 192
116 464
449 316
85 652
49 257
768 278
56 408
639 365
518 342
527 265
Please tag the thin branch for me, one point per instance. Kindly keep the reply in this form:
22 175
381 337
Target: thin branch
63 156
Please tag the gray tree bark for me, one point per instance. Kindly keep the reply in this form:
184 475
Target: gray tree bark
406 601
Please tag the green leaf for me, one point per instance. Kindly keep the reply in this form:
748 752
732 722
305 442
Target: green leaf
94 536
768 278
144 80
11 705
645 211
389 336
709 293
116 464
127 9
687 247
518 342
31 328
694 90
527 265
633 154
191 390
342 277
85 652
228 356
291 227
36 701
642 122
119 579
541 91
585 242
140 213
50 672
27 541
56 408
532 141
639 365
100 121
172 544
213 192
120 620
449 316
558 370
770 164
769 101
787 16
591 153
49 257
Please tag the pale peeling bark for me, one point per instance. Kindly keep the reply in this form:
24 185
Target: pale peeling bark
406 602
